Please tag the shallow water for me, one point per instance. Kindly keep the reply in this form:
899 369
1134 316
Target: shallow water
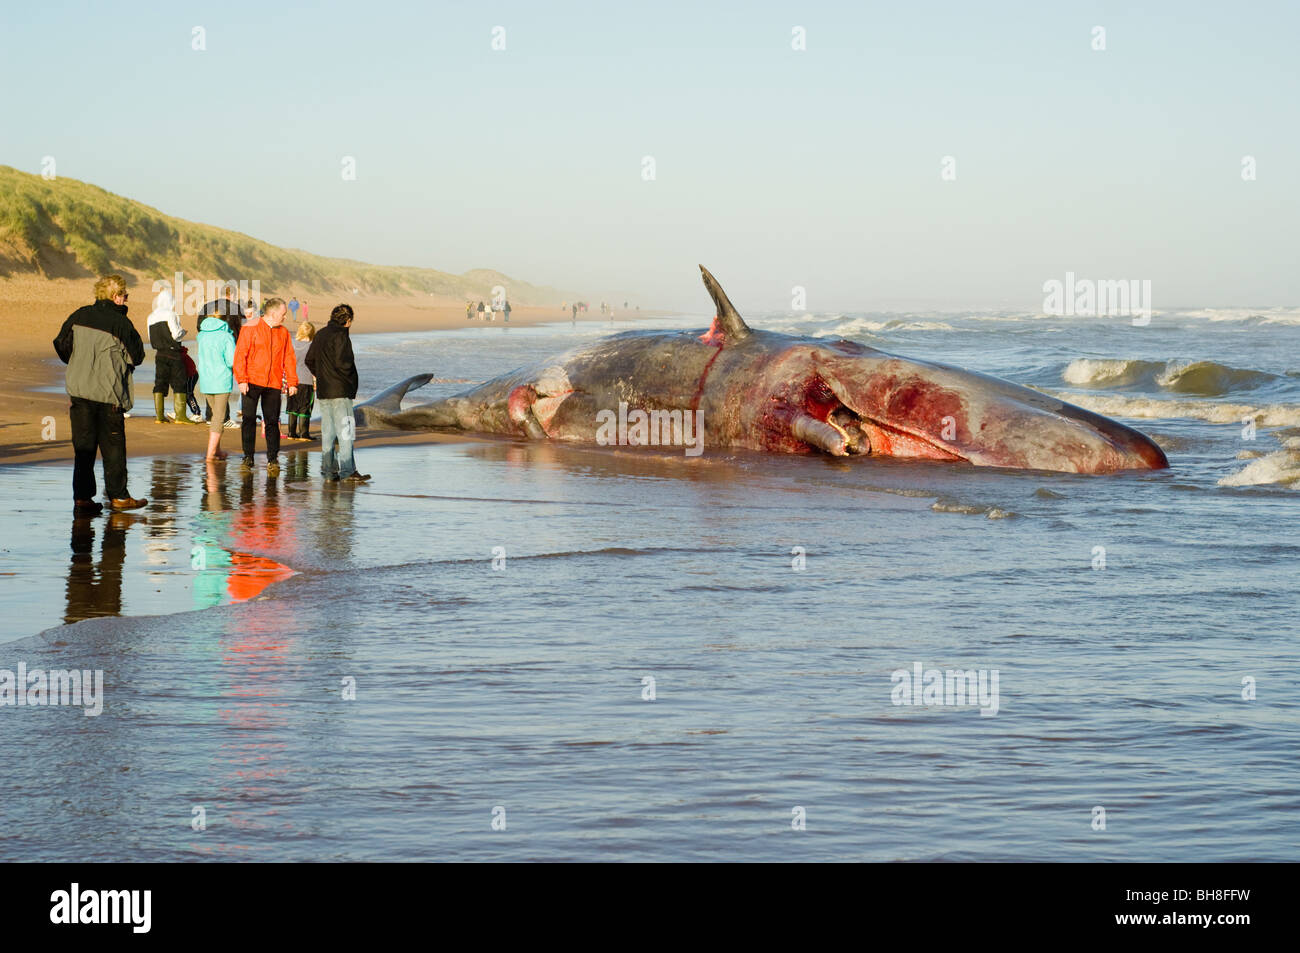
248 601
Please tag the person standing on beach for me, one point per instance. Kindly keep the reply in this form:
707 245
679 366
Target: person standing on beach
216 347
300 405
228 309
331 360
505 310
575 312
101 347
293 307
264 361
469 310
165 334
304 311
480 310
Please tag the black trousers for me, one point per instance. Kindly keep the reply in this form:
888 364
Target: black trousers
169 372
299 410
269 398
97 427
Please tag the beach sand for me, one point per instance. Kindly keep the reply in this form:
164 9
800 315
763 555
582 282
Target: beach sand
31 392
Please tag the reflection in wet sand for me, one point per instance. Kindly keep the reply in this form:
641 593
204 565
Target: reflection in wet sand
219 549
95 586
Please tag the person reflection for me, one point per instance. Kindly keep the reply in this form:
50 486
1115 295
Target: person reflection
167 484
95 588
208 557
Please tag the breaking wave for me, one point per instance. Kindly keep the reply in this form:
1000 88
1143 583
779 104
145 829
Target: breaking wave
1120 405
1253 315
872 326
1282 467
1203 378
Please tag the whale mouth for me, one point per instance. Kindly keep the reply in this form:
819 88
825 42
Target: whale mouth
829 422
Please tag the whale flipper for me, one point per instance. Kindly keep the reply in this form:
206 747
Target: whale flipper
389 401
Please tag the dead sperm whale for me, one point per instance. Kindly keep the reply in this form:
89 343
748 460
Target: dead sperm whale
780 393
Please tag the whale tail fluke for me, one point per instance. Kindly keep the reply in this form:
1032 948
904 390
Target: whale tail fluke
388 401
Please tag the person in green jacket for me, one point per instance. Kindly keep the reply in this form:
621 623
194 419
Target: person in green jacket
216 360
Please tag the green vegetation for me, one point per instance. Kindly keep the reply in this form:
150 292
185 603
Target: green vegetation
62 228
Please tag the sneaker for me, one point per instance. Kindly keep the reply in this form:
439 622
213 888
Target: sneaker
273 469
248 463
357 478
87 508
127 503
230 425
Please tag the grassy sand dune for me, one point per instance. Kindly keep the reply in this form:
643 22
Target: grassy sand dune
63 228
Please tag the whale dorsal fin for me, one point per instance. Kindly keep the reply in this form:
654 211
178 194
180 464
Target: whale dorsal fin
733 325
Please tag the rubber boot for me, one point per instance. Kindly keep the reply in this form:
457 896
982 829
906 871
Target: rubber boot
160 413
182 412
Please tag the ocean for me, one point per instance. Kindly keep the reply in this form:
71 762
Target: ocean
503 650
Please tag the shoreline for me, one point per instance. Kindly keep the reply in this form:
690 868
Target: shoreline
34 428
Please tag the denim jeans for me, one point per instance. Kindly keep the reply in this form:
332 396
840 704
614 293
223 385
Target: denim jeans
336 423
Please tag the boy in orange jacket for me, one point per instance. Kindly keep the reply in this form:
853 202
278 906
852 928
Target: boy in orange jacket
264 363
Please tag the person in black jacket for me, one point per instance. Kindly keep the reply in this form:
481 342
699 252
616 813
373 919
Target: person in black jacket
101 346
165 335
331 362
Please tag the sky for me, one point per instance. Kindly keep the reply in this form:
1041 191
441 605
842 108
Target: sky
778 168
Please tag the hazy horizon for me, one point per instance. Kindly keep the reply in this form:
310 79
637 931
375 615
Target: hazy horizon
775 167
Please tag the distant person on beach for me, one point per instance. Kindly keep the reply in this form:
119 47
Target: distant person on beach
469 310
575 312
101 347
505 310
480 310
293 307
264 361
304 311
216 361
331 361
301 403
165 334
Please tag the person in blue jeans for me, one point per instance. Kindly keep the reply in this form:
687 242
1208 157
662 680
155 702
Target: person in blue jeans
331 362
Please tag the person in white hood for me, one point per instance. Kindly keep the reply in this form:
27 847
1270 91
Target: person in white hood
165 334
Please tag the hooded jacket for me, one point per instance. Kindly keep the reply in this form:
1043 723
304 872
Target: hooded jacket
216 356
165 331
264 356
228 310
100 345
332 363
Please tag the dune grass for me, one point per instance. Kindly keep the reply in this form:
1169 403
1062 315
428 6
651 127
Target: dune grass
63 228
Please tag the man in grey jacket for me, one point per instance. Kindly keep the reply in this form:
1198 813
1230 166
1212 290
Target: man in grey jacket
101 347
